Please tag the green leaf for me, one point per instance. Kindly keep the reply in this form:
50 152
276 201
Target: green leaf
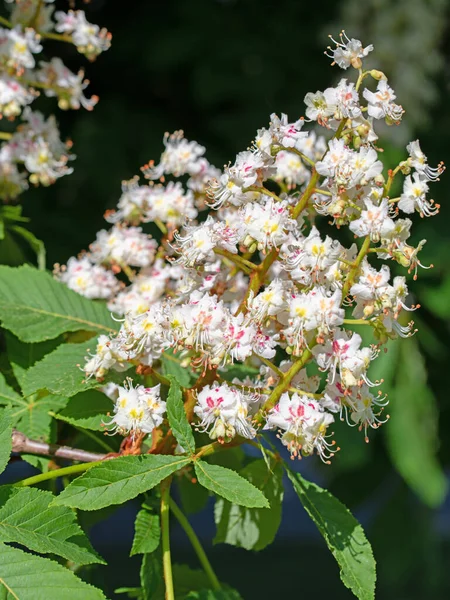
36 307
7 394
24 576
5 438
41 463
152 580
23 356
412 432
252 528
176 414
193 496
343 534
147 533
31 414
185 581
87 410
59 372
26 519
230 485
224 594
35 244
131 592
171 365
12 214
118 480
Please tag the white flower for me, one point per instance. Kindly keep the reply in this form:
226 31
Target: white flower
87 279
17 47
362 410
269 302
267 223
137 409
374 221
65 85
13 96
321 105
196 243
381 103
123 246
179 157
225 411
414 197
108 355
290 169
419 161
288 135
348 52
87 37
303 424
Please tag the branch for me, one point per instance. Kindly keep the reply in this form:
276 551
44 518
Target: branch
21 443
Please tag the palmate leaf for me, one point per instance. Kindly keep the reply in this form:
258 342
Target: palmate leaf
59 372
229 485
23 356
171 365
193 496
5 438
152 580
87 410
24 576
252 528
118 480
185 580
343 534
147 532
414 422
225 594
176 414
26 519
31 414
36 307
35 244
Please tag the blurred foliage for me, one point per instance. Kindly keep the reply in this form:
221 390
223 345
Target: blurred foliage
218 69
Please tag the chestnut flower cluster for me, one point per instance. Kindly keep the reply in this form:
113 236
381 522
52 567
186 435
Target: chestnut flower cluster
243 274
34 153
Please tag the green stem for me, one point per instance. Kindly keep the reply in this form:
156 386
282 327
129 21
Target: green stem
4 135
167 561
263 190
351 275
57 473
356 322
304 393
239 261
59 37
285 383
298 153
198 548
161 226
274 368
301 205
5 22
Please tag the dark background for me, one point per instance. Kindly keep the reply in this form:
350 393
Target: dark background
217 69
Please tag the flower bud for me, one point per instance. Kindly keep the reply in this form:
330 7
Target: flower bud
378 75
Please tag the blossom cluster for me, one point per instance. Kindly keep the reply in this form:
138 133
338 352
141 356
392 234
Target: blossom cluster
34 153
243 275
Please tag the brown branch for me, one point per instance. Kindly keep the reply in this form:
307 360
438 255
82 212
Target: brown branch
21 443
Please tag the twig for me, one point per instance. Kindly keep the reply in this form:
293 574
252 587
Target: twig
21 443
